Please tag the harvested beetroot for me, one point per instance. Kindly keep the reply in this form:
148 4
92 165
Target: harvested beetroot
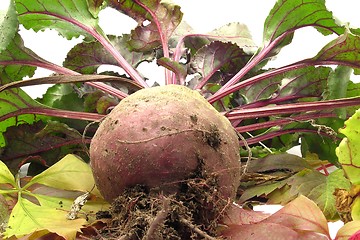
160 137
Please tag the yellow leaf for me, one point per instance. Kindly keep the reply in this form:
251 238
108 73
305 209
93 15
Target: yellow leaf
70 173
27 217
5 175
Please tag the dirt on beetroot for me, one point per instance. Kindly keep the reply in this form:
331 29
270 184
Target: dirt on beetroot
194 212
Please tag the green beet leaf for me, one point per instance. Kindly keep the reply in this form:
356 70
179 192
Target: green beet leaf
70 18
16 108
283 177
343 50
5 175
287 16
314 185
337 86
289 86
348 150
8 25
95 6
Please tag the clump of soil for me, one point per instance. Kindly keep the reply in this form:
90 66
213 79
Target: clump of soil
191 213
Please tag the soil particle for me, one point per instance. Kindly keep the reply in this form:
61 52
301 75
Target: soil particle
142 213
213 137
194 118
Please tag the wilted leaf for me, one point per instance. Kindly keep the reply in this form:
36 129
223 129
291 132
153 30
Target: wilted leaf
277 166
219 55
317 187
348 151
146 37
86 57
70 18
323 194
300 180
261 190
236 33
346 231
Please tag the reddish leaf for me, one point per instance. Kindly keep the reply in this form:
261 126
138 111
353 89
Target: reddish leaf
300 219
356 236
269 231
301 214
238 216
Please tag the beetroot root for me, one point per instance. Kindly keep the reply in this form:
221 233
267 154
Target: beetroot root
161 136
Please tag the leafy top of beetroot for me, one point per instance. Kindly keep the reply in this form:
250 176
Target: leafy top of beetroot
271 108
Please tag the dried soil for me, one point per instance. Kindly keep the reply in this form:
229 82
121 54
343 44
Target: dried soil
191 213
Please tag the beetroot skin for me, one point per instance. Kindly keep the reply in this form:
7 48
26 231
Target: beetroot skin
161 136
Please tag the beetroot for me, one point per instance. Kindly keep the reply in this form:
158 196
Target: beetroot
160 137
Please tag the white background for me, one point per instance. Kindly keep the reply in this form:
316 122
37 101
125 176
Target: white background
203 16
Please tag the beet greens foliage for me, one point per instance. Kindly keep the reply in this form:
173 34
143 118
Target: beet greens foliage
274 109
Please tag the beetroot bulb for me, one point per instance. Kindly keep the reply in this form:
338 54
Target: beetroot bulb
161 136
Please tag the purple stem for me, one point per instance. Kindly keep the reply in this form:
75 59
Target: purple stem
291 108
253 62
163 39
283 121
105 42
59 69
301 64
217 96
55 113
275 134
